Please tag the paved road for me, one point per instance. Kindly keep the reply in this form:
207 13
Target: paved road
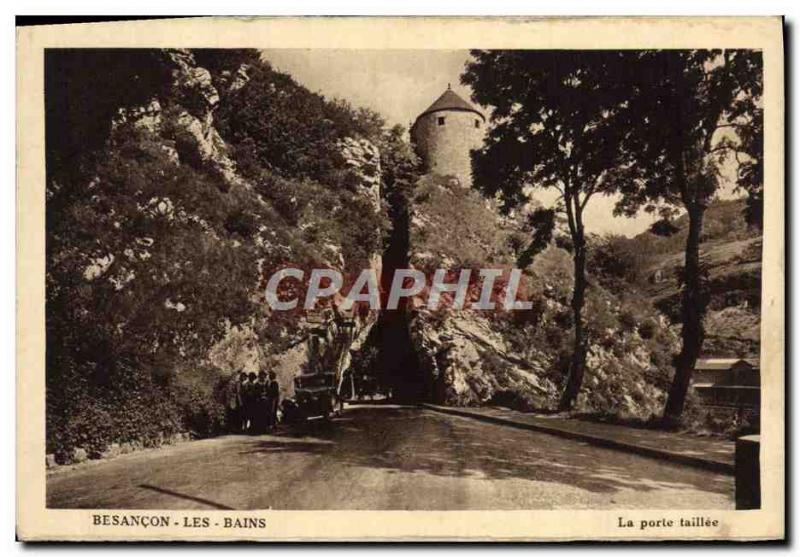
388 457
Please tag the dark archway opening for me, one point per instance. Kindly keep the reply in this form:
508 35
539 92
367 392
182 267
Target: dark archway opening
397 358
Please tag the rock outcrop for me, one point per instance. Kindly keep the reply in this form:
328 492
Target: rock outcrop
362 159
182 125
471 363
186 127
520 358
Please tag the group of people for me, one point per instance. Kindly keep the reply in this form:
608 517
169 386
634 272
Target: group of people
253 403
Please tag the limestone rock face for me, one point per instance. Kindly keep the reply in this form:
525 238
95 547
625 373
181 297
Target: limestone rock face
239 349
199 138
470 362
183 126
364 160
185 129
192 84
79 455
289 364
193 125
148 117
520 359
466 354
233 81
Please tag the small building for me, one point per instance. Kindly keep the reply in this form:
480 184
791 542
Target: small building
728 382
444 135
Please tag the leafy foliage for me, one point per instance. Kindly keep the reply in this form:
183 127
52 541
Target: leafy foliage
631 346
557 122
681 105
154 257
542 221
618 262
750 157
85 88
273 123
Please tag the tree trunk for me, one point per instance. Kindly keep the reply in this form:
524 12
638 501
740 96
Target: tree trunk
693 309
578 361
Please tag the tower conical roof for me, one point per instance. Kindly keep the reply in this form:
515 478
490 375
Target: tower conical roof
449 100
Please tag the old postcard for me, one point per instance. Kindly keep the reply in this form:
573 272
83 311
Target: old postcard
351 279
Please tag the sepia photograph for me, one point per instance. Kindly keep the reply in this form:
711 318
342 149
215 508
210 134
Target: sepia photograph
391 278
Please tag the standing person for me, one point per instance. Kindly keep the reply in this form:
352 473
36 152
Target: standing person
261 404
235 416
244 405
242 423
274 396
249 397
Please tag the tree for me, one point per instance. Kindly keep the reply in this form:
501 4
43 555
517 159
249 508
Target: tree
400 170
749 157
85 88
556 124
152 258
691 111
276 124
149 259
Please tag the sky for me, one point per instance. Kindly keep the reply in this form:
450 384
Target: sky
400 84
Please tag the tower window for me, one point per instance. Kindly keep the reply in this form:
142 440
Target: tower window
440 120
477 123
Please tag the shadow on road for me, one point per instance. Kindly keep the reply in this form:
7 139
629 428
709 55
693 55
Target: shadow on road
405 440
187 497
387 458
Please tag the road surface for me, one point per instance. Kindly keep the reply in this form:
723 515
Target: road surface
388 457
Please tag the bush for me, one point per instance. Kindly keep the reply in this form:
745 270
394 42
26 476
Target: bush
89 427
648 328
146 414
274 123
564 319
242 223
555 337
627 320
616 258
532 316
515 400
126 406
729 423
202 411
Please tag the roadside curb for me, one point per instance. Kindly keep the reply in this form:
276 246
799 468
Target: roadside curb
660 454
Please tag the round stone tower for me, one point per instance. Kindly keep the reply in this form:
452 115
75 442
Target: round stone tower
445 133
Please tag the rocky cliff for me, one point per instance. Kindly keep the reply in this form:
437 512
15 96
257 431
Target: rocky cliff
186 131
520 358
198 175
169 206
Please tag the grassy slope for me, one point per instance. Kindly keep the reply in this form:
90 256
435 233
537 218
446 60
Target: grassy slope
732 255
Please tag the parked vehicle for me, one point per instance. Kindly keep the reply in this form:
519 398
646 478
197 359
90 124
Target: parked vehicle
320 392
